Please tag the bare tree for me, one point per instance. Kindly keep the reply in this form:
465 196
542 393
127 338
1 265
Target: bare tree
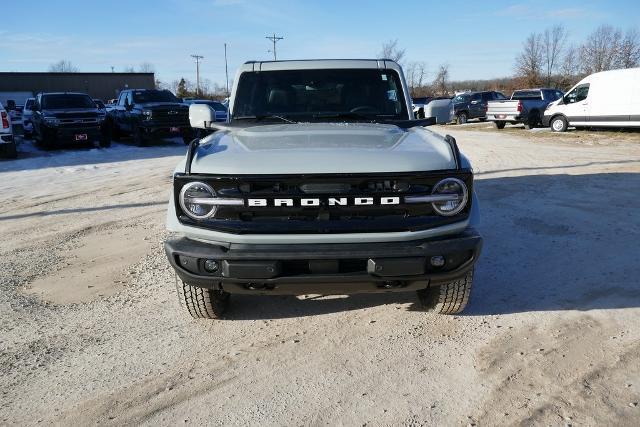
569 68
390 50
553 41
629 51
146 67
600 50
529 63
416 73
441 81
63 66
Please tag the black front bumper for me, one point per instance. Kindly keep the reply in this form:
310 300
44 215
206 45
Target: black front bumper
64 134
324 268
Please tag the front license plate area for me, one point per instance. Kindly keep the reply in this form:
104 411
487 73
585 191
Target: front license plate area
174 130
81 137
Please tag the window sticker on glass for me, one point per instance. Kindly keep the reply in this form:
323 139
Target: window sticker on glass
384 77
392 95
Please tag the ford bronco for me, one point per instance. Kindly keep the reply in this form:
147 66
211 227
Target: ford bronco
321 182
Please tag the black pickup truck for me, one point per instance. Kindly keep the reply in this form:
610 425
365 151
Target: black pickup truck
67 117
148 113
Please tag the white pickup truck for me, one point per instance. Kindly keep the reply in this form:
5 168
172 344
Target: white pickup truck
525 106
7 143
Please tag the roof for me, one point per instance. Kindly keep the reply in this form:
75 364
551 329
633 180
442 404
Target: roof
310 64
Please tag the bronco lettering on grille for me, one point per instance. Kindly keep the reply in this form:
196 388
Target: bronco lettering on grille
328 201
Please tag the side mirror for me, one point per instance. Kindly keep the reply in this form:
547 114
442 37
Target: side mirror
201 116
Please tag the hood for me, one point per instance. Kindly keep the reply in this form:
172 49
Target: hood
316 148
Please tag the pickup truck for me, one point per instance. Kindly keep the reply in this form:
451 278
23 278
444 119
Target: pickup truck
7 143
473 105
321 182
60 117
525 106
145 114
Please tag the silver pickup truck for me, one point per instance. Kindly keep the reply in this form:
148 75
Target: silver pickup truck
525 106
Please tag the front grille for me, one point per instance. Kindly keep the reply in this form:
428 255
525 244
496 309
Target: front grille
324 218
177 117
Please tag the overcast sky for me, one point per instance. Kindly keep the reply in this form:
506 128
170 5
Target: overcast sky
477 41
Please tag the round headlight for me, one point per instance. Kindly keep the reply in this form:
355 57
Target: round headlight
459 195
193 200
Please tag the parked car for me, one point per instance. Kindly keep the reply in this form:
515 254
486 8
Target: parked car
27 116
605 99
321 182
148 113
100 104
473 105
525 106
60 117
7 143
14 111
441 109
221 110
418 105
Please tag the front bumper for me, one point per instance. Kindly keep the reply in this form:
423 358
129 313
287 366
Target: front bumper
69 133
324 268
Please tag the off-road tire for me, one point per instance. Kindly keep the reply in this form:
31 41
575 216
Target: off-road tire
532 120
9 151
202 303
462 118
500 124
139 138
448 298
113 132
558 124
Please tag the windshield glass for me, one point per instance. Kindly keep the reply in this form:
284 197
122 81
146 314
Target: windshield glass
461 98
307 94
145 96
215 105
67 100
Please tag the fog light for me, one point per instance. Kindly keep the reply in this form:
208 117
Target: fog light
211 265
437 261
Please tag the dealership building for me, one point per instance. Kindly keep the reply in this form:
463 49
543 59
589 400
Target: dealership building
14 85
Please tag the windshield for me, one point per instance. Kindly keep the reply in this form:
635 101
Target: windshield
145 96
215 105
526 94
461 98
309 94
67 100
29 103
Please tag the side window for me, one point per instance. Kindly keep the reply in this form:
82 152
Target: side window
578 94
129 98
122 97
476 97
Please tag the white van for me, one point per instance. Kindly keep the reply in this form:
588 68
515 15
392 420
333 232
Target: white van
605 99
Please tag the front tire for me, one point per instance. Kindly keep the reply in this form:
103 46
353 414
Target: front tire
559 124
462 118
139 138
202 303
448 298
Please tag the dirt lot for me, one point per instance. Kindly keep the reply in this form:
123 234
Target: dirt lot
91 330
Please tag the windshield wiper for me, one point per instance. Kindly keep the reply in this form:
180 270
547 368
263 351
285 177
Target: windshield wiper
260 117
348 115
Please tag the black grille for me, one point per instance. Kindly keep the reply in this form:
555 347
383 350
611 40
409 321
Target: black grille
178 117
324 218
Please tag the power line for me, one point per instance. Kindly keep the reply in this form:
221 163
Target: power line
197 58
274 39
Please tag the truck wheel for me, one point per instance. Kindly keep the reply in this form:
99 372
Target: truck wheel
532 120
559 124
139 138
500 124
202 303
448 298
9 151
461 118
113 132
47 142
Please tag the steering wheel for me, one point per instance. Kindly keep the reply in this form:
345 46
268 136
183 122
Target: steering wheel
364 109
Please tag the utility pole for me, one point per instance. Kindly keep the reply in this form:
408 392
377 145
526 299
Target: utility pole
226 68
274 39
197 58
